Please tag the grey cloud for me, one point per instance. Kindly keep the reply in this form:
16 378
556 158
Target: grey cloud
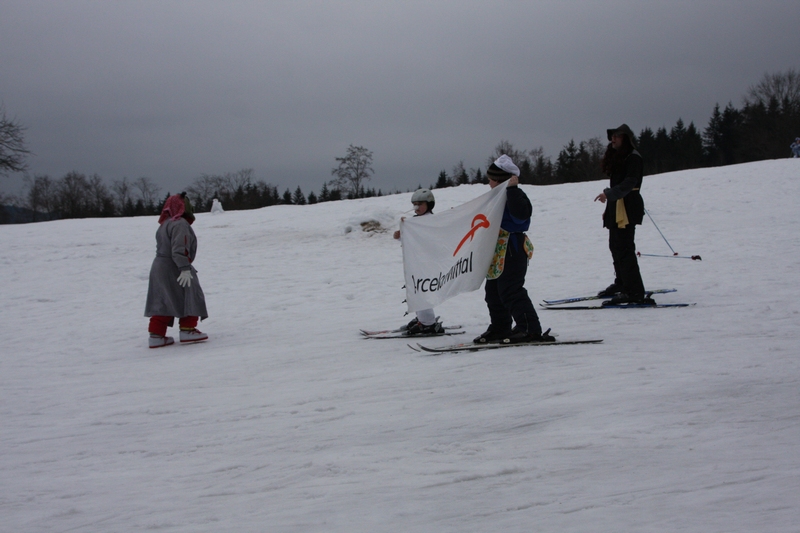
171 90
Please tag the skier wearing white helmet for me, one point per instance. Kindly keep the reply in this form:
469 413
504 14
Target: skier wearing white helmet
425 323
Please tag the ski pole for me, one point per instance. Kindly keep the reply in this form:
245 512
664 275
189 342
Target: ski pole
676 256
659 230
674 253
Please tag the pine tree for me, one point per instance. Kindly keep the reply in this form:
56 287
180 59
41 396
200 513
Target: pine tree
324 193
443 181
662 155
770 117
543 172
712 138
298 198
721 136
692 148
590 154
566 164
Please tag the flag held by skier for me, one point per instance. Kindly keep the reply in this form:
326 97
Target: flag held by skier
450 253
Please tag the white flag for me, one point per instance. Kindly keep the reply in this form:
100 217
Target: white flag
448 253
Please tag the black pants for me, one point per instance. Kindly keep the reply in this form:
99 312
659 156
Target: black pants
506 296
626 266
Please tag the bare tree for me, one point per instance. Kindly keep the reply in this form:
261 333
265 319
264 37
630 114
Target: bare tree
148 191
99 200
506 147
782 88
71 193
521 158
770 117
207 185
12 145
238 180
459 174
122 190
353 169
40 195
203 189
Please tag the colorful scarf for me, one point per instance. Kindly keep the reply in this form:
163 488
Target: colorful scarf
173 208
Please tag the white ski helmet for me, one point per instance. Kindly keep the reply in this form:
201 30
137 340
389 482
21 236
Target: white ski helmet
423 195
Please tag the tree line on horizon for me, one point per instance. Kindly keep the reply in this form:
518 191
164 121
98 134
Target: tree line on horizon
761 129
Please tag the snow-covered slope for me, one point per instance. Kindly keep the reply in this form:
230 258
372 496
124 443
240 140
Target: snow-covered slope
288 421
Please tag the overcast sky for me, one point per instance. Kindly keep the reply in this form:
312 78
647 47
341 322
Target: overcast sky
173 90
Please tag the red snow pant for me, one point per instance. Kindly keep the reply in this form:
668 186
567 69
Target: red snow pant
159 324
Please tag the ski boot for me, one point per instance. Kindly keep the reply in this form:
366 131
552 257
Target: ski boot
611 290
491 336
192 335
421 329
525 336
159 341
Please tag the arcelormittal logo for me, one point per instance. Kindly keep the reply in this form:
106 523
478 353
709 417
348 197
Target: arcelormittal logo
480 221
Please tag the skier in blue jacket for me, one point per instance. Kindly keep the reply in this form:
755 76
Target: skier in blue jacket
506 297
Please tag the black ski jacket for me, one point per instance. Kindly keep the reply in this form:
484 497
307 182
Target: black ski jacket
626 180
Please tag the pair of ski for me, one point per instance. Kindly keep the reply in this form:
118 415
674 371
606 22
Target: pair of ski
472 347
402 333
566 303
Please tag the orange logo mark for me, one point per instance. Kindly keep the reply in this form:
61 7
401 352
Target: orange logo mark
480 221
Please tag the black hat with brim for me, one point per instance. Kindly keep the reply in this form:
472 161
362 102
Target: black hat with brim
624 130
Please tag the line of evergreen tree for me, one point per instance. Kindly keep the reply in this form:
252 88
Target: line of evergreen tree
762 129
575 163
235 190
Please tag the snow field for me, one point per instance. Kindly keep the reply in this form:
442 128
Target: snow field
288 421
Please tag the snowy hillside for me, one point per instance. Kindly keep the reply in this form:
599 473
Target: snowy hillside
287 421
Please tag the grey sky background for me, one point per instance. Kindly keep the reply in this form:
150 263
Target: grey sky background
172 90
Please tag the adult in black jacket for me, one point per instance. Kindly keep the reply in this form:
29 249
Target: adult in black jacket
624 210
506 297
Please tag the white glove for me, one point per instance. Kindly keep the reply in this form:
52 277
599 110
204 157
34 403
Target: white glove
185 279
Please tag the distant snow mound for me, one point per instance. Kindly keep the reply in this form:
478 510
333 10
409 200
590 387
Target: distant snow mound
373 221
372 226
